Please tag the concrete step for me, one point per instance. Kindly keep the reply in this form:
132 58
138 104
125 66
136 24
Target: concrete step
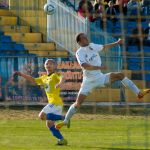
40 46
30 13
26 37
5 12
14 29
8 20
49 53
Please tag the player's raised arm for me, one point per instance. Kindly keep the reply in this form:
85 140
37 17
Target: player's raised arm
61 82
27 77
111 45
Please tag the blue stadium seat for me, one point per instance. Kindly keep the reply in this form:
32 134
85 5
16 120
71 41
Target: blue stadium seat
144 24
12 48
117 31
147 66
97 24
5 47
129 26
146 49
117 28
147 59
3 54
133 49
134 60
134 66
18 55
5 39
147 77
118 24
138 60
109 26
26 55
19 47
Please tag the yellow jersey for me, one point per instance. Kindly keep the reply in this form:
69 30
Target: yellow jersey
49 83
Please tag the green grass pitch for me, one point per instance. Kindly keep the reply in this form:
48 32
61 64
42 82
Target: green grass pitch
22 130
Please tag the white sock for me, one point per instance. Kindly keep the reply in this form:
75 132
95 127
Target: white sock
131 85
72 110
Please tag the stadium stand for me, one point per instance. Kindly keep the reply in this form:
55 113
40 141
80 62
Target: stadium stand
25 32
15 37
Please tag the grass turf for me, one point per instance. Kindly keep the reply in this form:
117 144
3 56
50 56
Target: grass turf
21 130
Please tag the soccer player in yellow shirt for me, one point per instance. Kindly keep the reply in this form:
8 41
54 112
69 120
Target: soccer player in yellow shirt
52 82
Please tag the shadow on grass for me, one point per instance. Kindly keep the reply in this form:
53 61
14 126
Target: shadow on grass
109 148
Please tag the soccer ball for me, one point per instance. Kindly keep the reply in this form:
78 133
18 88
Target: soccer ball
49 8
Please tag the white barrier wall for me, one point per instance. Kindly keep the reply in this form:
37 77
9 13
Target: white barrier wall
64 25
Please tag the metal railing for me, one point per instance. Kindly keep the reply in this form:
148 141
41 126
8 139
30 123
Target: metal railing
64 25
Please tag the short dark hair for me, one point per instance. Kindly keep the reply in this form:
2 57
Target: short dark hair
78 37
51 60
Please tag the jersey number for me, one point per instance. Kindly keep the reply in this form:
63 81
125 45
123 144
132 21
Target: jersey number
47 87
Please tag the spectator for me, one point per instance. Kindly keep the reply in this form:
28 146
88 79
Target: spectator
103 2
147 35
98 9
85 9
122 4
111 13
99 12
133 8
137 36
69 3
4 3
146 7
107 1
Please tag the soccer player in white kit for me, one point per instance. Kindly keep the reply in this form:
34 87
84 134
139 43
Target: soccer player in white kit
90 61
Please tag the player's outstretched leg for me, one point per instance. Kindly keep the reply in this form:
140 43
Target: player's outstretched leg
72 110
127 82
134 88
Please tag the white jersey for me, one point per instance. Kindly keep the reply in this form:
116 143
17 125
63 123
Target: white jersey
90 55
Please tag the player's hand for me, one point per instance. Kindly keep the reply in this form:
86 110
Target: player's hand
59 85
17 73
120 41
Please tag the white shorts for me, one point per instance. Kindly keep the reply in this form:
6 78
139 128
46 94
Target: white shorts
54 109
88 86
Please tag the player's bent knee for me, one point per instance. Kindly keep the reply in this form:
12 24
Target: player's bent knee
77 105
121 76
49 123
116 76
42 116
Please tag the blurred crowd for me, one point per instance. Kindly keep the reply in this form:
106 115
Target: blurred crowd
109 9
4 3
106 11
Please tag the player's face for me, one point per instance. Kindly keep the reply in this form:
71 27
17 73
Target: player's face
83 40
50 66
